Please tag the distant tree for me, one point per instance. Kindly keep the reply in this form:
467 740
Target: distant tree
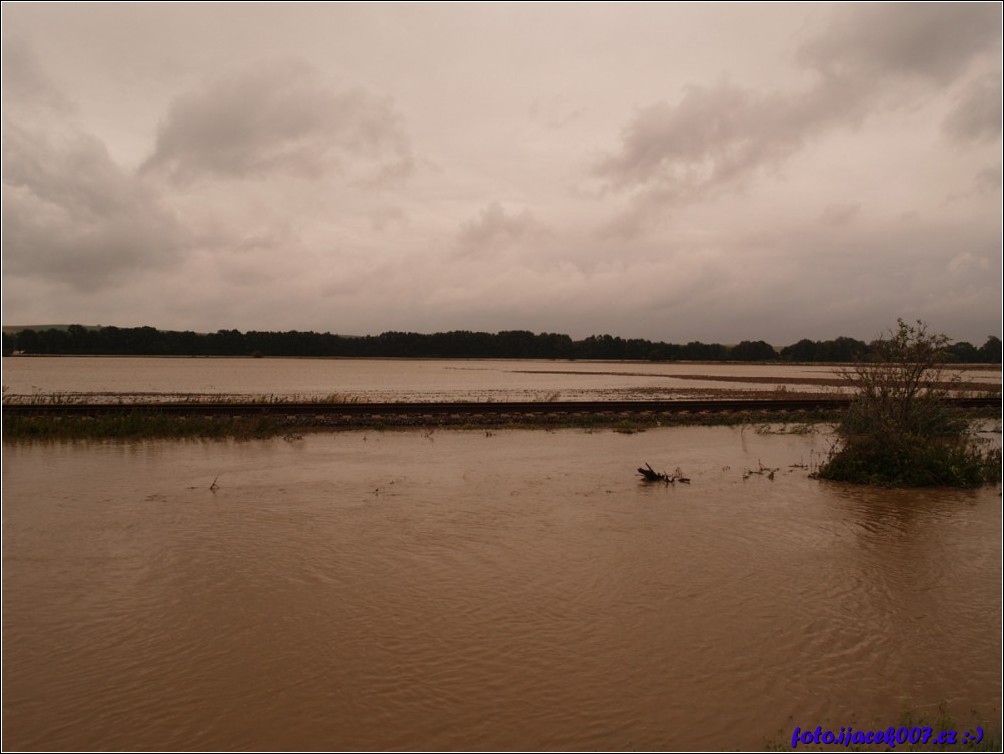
990 352
757 350
962 353
697 351
803 350
77 339
28 341
140 341
842 349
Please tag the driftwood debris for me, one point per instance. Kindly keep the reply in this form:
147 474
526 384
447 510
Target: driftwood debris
763 470
651 475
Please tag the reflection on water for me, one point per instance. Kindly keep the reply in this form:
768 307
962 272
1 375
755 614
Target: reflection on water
464 590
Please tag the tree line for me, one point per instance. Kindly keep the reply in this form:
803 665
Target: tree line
509 344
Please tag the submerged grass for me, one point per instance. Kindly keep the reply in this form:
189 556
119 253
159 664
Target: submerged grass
136 425
142 424
127 399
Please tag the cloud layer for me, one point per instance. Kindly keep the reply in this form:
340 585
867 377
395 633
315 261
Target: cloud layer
675 173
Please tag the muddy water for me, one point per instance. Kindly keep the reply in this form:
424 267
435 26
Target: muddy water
459 590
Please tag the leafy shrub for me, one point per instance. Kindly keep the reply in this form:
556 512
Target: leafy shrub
900 430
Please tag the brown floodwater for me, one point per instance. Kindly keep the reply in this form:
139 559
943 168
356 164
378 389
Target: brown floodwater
472 590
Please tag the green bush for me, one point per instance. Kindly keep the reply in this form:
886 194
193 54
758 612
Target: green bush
900 430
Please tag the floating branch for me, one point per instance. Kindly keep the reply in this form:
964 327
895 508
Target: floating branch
651 475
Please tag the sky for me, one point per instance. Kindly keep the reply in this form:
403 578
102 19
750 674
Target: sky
677 172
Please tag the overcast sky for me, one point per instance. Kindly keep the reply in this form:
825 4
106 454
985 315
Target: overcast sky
675 172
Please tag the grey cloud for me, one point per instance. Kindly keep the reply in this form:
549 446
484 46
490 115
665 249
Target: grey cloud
840 214
552 113
985 183
934 41
713 136
26 84
988 180
977 117
843 282
70 214
279 118
714 140
496 229
384 217
251 262
717 139
690 140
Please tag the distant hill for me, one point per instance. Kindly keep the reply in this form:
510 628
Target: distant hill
18 328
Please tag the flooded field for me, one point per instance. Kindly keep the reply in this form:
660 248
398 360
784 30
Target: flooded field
482 590
415 379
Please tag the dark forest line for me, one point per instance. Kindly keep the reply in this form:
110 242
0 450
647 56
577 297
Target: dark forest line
461 344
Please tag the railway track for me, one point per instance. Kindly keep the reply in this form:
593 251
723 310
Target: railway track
372 410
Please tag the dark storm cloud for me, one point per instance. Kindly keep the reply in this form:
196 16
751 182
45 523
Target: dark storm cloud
70 214
279 117
977 116
716 139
